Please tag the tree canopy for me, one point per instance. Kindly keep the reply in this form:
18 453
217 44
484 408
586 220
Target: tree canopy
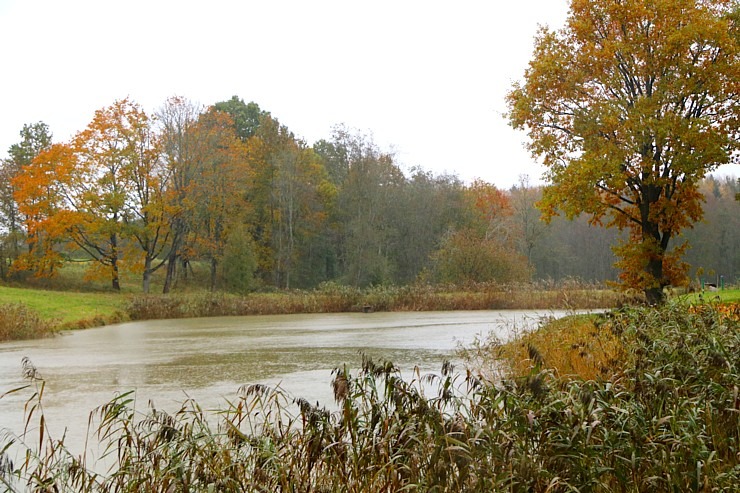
630 106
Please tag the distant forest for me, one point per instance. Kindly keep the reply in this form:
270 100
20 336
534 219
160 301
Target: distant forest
229 189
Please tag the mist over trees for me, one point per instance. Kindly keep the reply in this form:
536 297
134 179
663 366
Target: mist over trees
227 198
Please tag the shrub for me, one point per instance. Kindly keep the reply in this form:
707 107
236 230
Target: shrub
20 322
239 262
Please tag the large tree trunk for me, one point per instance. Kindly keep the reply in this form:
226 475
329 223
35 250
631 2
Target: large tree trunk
171 269
214 271
147 276
115 278
655 245
654 293
178 235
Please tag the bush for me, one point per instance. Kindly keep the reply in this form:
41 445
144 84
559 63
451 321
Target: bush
467 257
19 322
239 262
336 298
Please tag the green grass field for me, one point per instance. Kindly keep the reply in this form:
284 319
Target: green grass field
723 295
66 307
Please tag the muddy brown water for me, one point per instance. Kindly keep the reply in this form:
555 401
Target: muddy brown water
208 359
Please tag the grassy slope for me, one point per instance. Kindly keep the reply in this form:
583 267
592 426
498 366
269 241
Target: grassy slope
583 346
725 296
68 308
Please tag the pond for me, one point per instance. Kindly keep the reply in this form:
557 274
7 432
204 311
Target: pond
208 359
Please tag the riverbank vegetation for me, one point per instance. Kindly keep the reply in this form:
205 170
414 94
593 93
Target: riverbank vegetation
336 298
60 310
662 415
66 309
17 321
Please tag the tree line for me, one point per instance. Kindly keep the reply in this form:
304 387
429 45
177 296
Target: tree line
229 188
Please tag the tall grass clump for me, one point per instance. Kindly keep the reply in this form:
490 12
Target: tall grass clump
665 419
335 298
576 346
17 322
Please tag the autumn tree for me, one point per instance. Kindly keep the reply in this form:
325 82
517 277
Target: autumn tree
35 138
91 192
288 197
630 105
265 149
147 218
482 247
218 189
103 194
176 121
490 210
40 190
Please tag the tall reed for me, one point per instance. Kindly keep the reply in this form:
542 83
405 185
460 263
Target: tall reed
668 419
17 321
333 298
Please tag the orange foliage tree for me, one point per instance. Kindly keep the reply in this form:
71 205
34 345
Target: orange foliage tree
34 139
39 190
630 105
110 153
94 192
147 221
491 209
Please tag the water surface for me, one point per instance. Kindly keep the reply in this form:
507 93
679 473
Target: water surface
208 359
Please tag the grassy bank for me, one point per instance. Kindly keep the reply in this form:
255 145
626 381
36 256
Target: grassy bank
336 298
75 310
665 417
722 296
63 309
17 321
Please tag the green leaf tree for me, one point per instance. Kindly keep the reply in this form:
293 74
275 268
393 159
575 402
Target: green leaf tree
246 116
630 105
239 262
365 202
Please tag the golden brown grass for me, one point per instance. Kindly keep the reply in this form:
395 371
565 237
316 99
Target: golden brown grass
579 346
585 347
19 322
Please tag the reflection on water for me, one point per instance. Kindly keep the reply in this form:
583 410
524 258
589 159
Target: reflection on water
166 361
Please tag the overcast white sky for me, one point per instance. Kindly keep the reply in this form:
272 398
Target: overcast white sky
426 78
